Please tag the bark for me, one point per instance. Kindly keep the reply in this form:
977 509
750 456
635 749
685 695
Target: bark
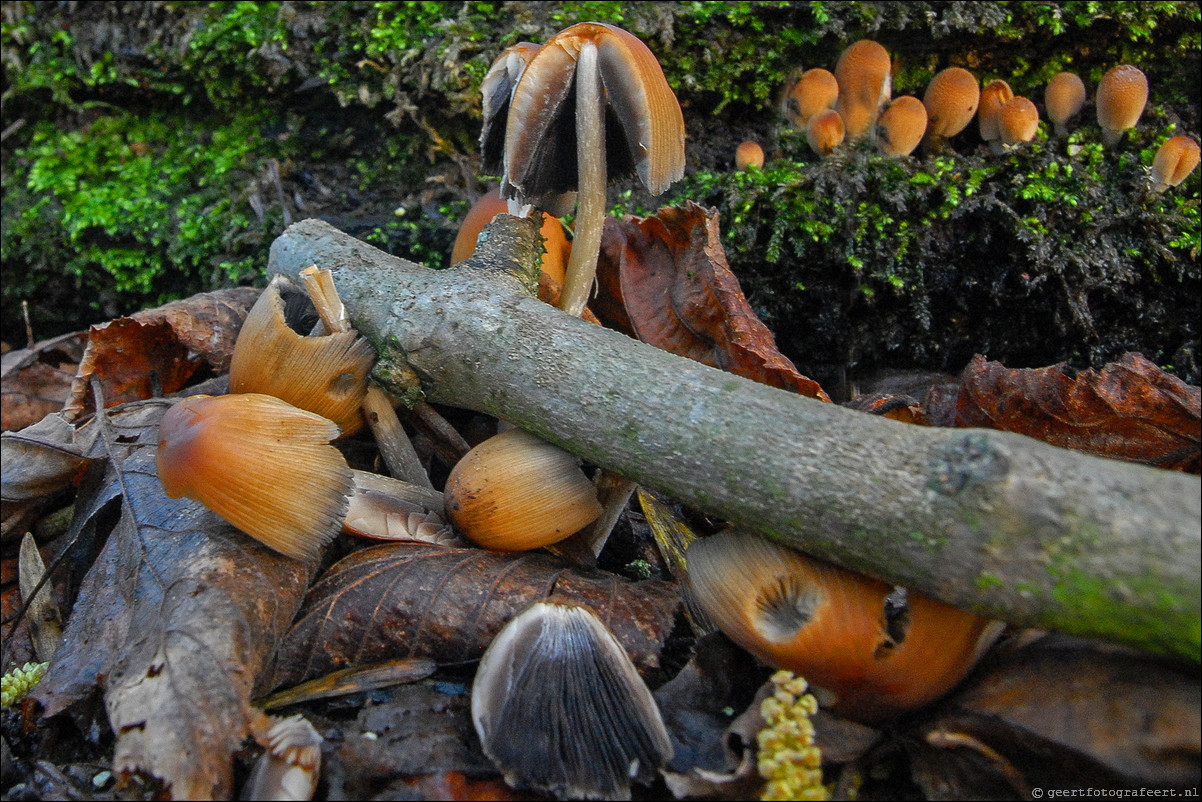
989 521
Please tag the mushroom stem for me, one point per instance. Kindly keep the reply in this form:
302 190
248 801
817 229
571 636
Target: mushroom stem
590 165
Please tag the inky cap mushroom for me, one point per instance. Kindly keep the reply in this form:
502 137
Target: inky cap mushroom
825 132
749 154
497 88
1122 95
1063 98
560 708
592 105
326 375
261 464
865 84
1175 160
816 90
901 126
995 95
951 100
1018 121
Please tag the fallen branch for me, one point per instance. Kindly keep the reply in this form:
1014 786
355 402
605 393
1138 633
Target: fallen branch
993 522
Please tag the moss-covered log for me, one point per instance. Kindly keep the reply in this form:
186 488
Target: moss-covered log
989 521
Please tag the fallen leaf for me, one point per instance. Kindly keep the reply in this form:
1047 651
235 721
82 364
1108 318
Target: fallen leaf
419 600
1130 410
35 382
665 280
904 408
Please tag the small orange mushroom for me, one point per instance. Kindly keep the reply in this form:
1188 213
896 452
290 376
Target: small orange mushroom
1063 98
1018 121
865 84
490 204
816 90
1122 95
951 100
825 132
497 89
901 126
749 154
1175 160
995 95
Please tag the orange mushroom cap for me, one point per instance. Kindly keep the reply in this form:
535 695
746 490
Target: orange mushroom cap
749 154
1175 160
1063 98
995 95
816 90
488 206
1122 95
865 84
1018 121
951 100
261 464
901 126
825 132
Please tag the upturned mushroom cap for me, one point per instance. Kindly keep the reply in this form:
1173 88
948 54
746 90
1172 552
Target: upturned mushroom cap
643 122
951 100
825 132
749 154
497 88
560 708
1063 98
995 95
490 205
261 464
901 126
865 84
1121 98
326 375
831 626
1018 121
1175 160
816 90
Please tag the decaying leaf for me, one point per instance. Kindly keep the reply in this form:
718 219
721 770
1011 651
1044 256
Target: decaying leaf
40 459
419 600
1129 410
35 382
665 280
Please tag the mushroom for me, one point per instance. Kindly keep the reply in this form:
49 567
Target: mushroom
844 632
556 140
1063 98
865 84
288 769
383 508
749 154
555 244
995 95
951 101
1018 121
560 708
1175 160
825 132
496 90
515 491
816 90
326 375
901 126
261 464
1122 95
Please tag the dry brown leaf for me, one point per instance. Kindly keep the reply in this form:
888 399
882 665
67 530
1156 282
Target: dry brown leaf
35 382
1130 410
419 600
665 280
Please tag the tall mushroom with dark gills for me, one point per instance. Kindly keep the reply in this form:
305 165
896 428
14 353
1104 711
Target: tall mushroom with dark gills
591 105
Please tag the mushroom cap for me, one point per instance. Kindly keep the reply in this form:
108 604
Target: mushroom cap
825 132
995 95
865 84
1121 98
644 127
1018 121
488 206
261 464
951 100
1175 160
515 491
497 88
901 126
1064 97
816 90
560 708
831 626
326 375
749 154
